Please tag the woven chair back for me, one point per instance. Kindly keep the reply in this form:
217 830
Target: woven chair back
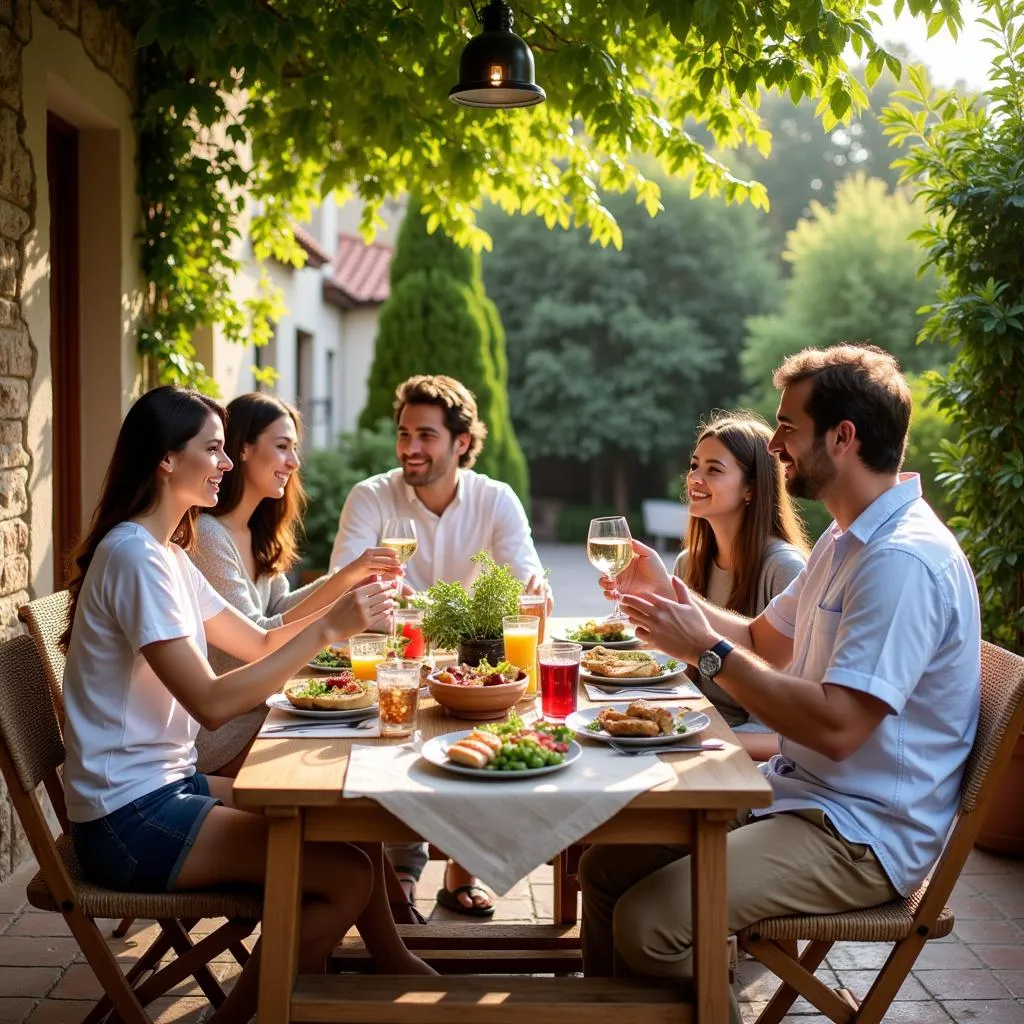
46 618
1002 708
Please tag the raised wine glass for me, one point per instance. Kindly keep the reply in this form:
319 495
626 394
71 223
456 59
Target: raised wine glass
400 536
610 550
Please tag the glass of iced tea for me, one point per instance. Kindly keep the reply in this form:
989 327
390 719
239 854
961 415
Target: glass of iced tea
536 605
398 689
367 651
559 678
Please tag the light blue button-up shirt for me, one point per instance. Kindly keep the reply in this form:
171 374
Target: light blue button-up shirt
889 607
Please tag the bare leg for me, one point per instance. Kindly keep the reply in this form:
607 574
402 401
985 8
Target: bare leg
377 925
761 746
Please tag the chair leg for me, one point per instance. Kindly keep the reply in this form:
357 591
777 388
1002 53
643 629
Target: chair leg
122 928
566 890
887 983
797 977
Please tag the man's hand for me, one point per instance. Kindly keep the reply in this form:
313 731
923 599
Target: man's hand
539 585
676 626
645 575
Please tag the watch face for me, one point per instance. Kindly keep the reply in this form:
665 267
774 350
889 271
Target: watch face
710 664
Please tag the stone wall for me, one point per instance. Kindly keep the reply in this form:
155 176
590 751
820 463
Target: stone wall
108 44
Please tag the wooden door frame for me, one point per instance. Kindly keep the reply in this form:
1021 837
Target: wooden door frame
62 161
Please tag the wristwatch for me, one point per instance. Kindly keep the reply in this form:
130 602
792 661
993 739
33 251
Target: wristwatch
710 662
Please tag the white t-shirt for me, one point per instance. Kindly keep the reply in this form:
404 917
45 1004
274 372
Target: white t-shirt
126 736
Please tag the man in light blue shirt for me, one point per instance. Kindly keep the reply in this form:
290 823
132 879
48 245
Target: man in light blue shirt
868 666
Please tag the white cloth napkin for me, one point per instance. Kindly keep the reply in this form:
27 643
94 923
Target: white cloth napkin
501 830
681 691
279 724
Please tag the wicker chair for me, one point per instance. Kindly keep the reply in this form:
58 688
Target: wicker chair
907 923
46 618
32 752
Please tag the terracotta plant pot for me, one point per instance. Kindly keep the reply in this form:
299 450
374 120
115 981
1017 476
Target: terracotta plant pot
1002 831
472 652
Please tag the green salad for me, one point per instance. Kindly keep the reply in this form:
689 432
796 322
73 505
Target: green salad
332 657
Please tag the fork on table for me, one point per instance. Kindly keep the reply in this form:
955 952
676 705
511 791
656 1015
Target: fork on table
673 748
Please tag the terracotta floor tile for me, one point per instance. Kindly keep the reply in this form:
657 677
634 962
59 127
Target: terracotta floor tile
35 951
930 1012
975 908
990 933
944 955
990 1011
78 982
858 982
1003 957
61 1011
1014 982
39 924
751 1011
6 920
981 863
177 1011
999 885
961 983
27 981
14 1011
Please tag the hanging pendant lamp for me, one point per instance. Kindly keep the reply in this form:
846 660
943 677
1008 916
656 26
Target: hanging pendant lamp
496 69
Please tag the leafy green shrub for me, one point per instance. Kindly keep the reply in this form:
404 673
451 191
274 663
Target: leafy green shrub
328 474
965 161
574 521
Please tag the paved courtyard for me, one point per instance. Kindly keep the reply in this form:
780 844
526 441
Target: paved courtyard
976 974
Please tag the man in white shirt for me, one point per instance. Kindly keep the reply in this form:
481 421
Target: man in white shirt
457 513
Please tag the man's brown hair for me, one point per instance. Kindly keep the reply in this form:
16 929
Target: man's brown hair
457 405
859 383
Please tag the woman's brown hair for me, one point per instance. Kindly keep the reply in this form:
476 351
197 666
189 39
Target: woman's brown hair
769 515
162 420
274 522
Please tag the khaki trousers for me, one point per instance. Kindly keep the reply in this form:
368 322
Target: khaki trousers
636 899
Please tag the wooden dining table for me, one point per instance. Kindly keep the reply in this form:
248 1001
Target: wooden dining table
297 783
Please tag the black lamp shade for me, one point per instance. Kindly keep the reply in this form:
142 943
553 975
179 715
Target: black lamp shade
496 69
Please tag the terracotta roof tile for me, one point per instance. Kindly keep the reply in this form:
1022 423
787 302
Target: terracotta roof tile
316 254
359 273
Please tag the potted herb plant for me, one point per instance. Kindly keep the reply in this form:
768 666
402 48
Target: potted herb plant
471 621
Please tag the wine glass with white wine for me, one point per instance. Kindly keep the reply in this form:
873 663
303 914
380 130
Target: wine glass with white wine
400 536
610 550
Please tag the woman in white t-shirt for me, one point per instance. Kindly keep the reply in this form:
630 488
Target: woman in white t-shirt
744 544
138 684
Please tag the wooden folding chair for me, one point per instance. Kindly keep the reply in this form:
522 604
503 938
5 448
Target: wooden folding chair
32 752
907 923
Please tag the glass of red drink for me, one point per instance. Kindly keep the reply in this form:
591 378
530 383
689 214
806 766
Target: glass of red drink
559 679
409 623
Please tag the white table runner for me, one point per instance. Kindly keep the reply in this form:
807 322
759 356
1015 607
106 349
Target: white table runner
501 830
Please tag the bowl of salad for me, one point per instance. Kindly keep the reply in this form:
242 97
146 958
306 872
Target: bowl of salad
478 692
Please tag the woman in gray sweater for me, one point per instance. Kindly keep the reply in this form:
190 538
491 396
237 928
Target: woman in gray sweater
246 544
745 542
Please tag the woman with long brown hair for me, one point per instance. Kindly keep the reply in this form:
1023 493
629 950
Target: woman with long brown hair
247 542
744 543
137 685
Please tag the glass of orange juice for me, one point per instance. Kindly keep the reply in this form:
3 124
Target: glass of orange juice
367 651
520 632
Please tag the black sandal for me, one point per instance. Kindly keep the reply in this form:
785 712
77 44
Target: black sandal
409 907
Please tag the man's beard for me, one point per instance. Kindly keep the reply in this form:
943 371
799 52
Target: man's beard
811 477
430 472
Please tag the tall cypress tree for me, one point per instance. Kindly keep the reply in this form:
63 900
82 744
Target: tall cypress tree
439 320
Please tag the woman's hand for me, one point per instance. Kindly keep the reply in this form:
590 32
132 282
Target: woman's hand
357 608
645 575
539 585
381 562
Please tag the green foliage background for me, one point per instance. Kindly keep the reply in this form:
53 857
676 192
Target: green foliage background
439 319
966 163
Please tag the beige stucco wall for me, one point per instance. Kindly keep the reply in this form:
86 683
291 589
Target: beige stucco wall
58 76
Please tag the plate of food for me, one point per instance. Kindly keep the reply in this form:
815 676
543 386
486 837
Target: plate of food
638 724
612 667
333 658
510 750
610 635
341 697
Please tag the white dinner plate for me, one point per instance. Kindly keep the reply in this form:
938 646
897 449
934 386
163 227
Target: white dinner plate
436 752
612 645
327 668
282 703
634 681
695 721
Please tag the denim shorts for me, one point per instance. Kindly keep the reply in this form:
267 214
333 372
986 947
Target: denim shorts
141 847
